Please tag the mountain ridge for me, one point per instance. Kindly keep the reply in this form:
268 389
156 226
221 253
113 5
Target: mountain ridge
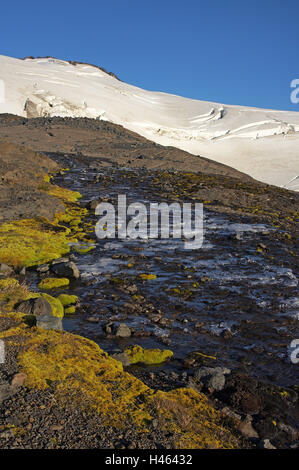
261 143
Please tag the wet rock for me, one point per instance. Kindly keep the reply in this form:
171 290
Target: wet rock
68 269
5 270
108 328
122 330
247 430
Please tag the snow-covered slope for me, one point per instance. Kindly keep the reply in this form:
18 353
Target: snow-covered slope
263 143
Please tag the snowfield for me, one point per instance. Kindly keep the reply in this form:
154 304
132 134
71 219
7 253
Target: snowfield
262 143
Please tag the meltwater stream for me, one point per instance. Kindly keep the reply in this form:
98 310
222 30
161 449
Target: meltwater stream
226 299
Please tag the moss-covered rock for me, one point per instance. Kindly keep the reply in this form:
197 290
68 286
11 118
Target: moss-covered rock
57 307
67 299
147 356
70 310
53 283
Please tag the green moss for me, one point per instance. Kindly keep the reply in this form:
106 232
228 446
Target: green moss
81 375
83 249
29 242
147 277
64 194
66 299
12 292
53 283
57 307
70 310
147 356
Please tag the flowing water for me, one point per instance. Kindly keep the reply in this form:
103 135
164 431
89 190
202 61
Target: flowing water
226 299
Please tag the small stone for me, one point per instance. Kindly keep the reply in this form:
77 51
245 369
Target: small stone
123 331
43 268
93 319
247 430
266 444
68 270
18 380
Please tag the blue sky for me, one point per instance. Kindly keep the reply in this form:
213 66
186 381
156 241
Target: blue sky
235 52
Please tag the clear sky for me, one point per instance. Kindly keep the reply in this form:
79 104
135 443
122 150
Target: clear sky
231 51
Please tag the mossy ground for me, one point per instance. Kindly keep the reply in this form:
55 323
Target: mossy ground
80 374
29 242
12 293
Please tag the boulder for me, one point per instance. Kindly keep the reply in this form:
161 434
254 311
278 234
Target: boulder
42 310
36 307
49 322
122 331
68 269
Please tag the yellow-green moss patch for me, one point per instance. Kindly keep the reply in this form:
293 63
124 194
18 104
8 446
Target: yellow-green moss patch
64 194
67 299
57 307
70 310
83 375
12 292
147 356
53 283
29 242
83 249
147 277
